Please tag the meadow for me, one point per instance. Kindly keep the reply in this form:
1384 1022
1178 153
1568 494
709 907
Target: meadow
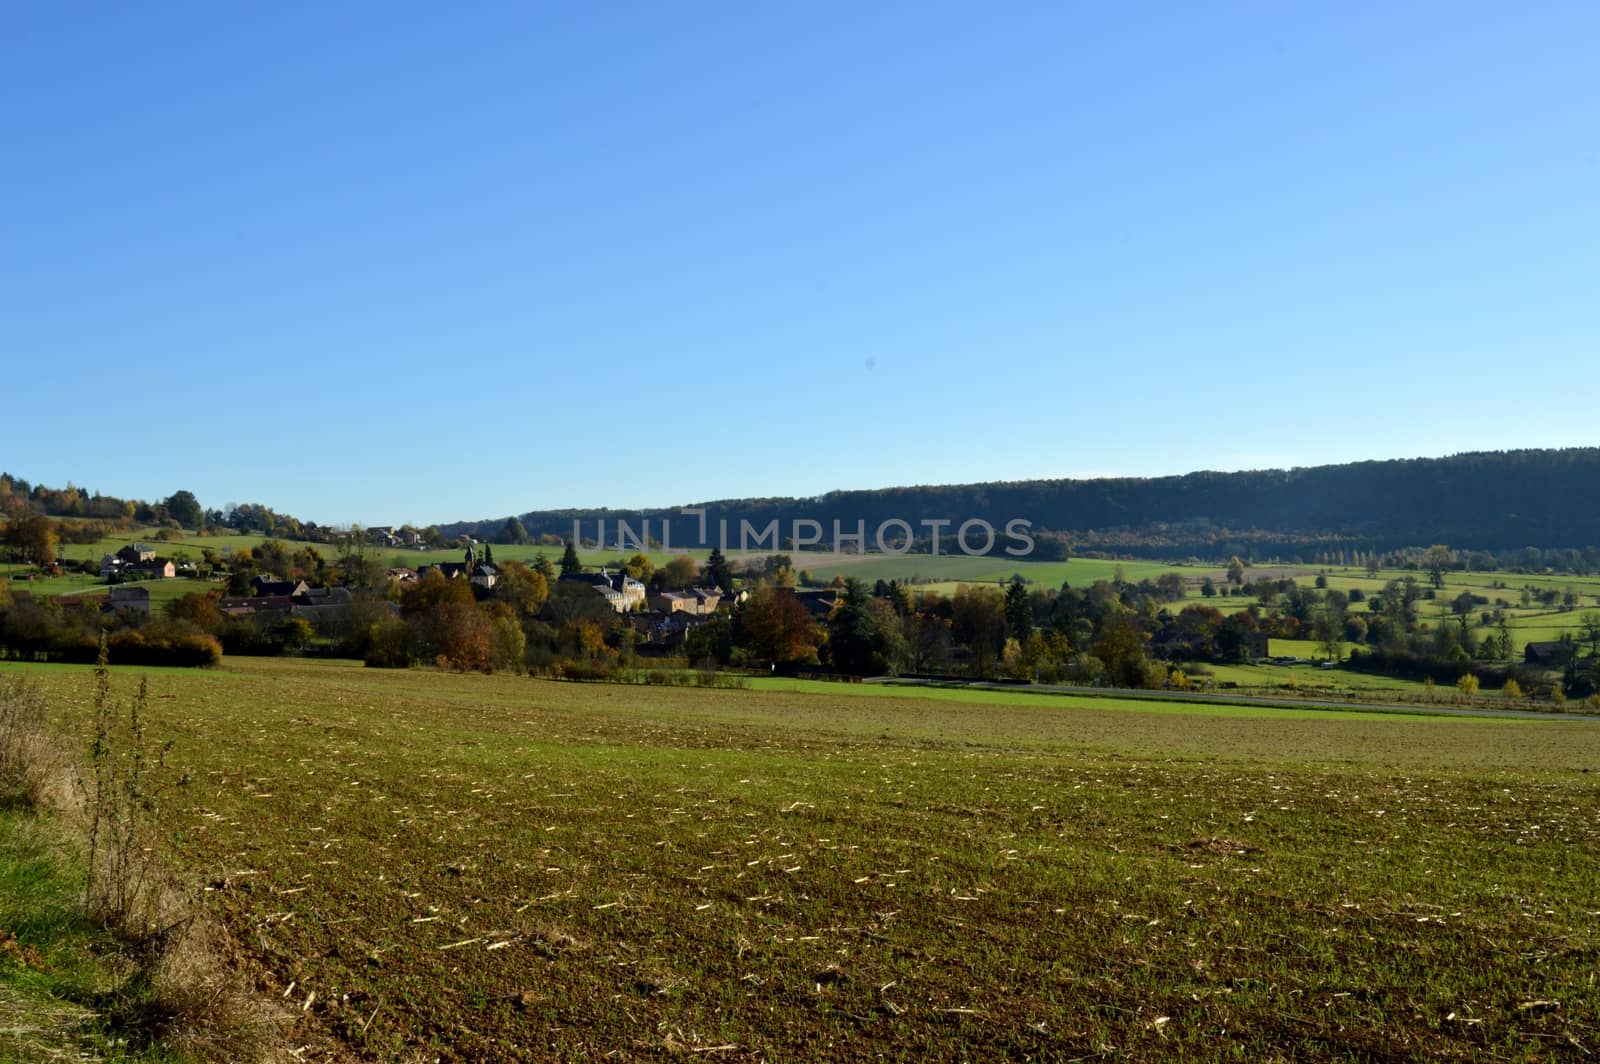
494 867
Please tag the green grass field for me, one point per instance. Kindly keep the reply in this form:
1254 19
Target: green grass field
492 867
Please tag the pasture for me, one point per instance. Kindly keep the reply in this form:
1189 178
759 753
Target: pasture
493 867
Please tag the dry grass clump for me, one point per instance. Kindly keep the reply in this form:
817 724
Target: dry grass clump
172 987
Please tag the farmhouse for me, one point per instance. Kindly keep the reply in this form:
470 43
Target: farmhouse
135 560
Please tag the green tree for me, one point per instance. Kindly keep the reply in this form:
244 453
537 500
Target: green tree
569 560
1327 628
358 563
1436 559
858 645
1235 571
544 568
1120 647
185 509
513 532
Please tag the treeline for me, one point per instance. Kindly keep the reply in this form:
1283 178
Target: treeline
86 516
1493 500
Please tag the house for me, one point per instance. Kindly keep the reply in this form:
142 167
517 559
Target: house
620 590
1552 654
137 554
129 598
818 603
266 585
484 575
161 568
400 575
320 603
111 565
322 596
663 630
256 606
698 601
448 570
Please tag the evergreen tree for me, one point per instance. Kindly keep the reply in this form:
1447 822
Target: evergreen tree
1019 611
569 560
717 571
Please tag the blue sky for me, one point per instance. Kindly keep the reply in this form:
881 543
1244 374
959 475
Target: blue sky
402 262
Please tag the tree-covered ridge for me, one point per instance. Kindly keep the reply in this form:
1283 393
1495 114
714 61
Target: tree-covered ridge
1491 500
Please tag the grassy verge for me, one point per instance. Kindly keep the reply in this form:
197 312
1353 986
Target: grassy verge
103 955
64 993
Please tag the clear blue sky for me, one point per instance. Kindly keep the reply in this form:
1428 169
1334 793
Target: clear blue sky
391 262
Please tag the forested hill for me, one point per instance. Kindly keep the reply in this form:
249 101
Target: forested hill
1494 500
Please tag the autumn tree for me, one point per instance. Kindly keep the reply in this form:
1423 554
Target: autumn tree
680 571
524 590
1235 571
418 597
198 609
774 626
978 620
33 538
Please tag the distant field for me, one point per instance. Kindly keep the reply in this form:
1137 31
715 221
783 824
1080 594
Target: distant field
491 867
